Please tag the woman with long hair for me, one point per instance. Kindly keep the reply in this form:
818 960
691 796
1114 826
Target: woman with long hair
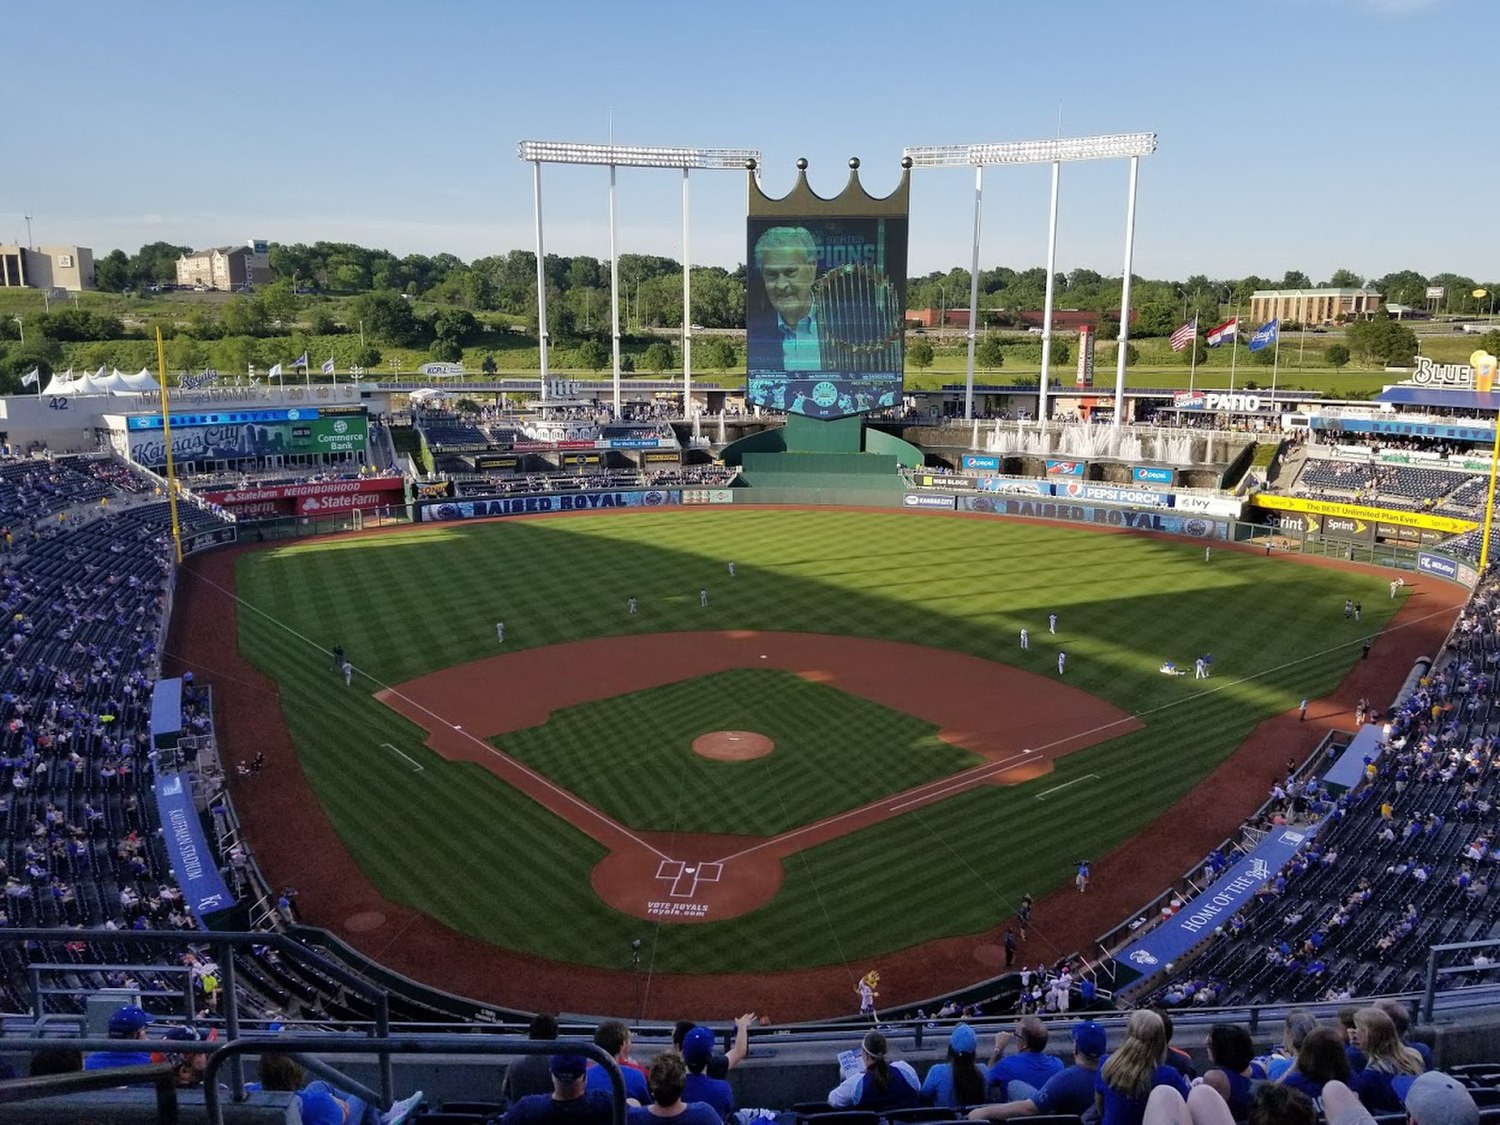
1231 1054
959 1081
1321 1059
1130 1074
1386 1057
883 1084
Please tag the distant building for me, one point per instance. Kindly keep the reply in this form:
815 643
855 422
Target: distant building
225 268
1313 306
46 267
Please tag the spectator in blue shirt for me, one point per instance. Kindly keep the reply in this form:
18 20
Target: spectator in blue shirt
1024 1073
959 1081
1069 1091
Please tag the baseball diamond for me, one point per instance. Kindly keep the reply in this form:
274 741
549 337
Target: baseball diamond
492 880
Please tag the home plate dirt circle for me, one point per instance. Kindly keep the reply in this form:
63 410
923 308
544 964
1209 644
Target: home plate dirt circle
732 745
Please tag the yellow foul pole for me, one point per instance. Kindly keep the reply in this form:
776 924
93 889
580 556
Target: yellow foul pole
166 427
1484 380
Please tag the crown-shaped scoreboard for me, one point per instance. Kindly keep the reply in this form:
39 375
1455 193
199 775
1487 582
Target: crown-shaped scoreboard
825 297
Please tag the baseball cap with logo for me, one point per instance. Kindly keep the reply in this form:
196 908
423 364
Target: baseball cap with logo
698 1046
963 1040
1435 1098
127 1020
1090 1038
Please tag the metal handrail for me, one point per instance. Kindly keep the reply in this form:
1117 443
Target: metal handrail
160 1075
432 1045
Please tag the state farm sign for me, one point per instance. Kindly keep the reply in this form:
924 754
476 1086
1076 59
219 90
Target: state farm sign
338 502
319 489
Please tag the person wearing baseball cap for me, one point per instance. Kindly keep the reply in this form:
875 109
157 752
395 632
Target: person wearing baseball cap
1070 1091
697 1053
126 1023
1433 1098
959 1080
571 1100
187 1066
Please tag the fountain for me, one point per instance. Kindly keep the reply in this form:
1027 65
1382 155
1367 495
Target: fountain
697 428
1175 449
721 427
974 438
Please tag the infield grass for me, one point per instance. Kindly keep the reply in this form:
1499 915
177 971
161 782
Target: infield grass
834 751
456 842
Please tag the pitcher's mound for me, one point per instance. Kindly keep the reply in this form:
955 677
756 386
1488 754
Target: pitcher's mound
732 745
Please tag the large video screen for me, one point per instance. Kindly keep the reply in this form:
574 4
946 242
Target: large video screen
825 307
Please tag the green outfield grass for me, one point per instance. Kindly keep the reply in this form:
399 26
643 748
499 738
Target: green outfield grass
456 842
834 751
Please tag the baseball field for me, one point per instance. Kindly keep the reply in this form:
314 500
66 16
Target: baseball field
923 771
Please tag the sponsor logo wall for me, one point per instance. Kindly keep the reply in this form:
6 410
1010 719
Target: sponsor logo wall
1108 494
708 496
1437 564
299 499
204 540
1209 505
1150 474
979 463
1164 523
1015 487
927 500
1065 468
487 507
1358 511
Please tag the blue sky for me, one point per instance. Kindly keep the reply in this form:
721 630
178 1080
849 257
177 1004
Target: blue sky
1306 134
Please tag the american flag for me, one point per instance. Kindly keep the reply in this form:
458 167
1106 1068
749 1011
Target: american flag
1184 335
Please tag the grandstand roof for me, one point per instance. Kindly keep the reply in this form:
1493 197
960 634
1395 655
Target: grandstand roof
1485 402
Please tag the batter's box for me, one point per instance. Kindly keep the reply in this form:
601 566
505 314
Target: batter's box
685 877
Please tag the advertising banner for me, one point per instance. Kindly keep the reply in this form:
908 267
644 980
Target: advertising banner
578 459
708 496
1212 505
1187 400
670 457
1201 915
982 464
927 500
1162 522
360 485
204 540
1348 530
1108 494
485 507
630 443
1065 468
430 490
1437 564
493 461
1010 487
1151 474
232 441
195 866
1359 511
825 312
943 480
1085 376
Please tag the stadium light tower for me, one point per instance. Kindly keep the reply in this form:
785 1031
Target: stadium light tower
614 156
1111 146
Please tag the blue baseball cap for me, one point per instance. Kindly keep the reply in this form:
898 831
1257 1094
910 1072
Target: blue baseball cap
569 1068
963 1040
128 1020
698 1046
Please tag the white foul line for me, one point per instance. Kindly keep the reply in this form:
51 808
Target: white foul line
415 765
1065 784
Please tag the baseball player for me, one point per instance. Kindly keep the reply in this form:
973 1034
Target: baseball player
1025 639
500 632
1052 623
1062 662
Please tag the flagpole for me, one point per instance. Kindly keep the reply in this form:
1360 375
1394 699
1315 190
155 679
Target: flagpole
1193 369
1275 361
38 372
1234 347
1301 345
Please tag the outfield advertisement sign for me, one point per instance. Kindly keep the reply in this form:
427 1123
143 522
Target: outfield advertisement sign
485 507
1361 512
1160 522
1008 487
306 499
1065 468
943 480
1437 564
207 540
1108 494
1209 505
304 431
1202 915
708 496
1150 474
980 464
928 500
187 848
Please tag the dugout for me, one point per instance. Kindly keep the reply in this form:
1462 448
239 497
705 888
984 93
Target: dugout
166 714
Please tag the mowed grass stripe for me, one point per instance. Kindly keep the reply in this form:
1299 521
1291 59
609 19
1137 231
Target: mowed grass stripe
411 603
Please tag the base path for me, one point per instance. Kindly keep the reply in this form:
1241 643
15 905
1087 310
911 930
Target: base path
335 893
1007 716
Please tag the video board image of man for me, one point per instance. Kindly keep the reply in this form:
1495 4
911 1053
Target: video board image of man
824 319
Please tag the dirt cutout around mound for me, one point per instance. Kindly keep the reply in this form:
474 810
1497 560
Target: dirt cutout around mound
732 745
334 891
